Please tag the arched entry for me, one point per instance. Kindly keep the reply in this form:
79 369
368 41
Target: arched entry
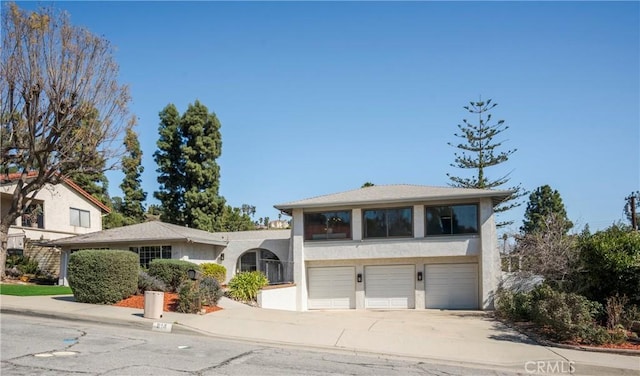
262 260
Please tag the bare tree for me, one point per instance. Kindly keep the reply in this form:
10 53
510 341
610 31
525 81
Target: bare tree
61 106
549 252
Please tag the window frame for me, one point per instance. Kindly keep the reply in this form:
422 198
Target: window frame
144 262
327 236
79 211
451 216
387 225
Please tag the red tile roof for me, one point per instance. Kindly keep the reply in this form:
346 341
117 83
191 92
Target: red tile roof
31 174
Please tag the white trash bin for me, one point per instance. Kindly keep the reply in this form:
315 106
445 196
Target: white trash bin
153 304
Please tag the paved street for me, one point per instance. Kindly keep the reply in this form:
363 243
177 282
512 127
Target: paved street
41 346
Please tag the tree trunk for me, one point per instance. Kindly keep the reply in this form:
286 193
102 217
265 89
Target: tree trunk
4 236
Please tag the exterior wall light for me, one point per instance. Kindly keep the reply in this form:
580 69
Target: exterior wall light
359 277
222 257
419 276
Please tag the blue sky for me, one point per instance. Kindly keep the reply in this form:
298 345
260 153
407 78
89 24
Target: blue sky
319 97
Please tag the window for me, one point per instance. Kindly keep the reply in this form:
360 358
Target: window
80 218
386 223
452 220
327 225
148 253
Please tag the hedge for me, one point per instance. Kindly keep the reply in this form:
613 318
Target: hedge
171 272
103 276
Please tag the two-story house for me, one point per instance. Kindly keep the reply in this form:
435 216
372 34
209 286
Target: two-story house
395 246
58 211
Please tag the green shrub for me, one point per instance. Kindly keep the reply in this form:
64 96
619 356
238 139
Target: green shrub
245 286
27 265
171 272
568 316
216 271
149 283
188 298
103 276
610 261
514 306
210 291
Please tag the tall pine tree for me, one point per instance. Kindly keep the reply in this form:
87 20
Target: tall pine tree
134 196
479 152
170 170
543 202
203 207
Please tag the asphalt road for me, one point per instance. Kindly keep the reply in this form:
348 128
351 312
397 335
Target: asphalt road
41 346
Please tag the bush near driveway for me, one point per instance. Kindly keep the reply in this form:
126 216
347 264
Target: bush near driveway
561 316
103 276
172 272
217 271
245 286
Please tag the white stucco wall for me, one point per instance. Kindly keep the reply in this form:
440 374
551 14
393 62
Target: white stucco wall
283 298
57 201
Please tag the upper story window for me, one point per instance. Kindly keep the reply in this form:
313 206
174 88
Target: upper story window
33 216
386 223
327 225
452 219
80 218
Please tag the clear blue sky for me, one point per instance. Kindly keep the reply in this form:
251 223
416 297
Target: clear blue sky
319 97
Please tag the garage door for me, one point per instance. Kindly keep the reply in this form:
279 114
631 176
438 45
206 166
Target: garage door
332 288
389 286
451 286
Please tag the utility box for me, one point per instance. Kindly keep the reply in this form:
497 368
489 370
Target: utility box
153 304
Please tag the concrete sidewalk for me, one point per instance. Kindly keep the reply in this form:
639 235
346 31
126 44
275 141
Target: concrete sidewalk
471 338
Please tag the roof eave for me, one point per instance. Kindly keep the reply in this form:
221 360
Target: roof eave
496 198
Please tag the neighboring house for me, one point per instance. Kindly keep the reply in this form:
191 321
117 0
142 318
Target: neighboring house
279 223
58 211
237 251
396 246
379 247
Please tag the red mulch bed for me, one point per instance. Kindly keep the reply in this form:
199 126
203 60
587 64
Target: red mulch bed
170 303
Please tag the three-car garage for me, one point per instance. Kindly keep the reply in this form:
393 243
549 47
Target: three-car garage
443 286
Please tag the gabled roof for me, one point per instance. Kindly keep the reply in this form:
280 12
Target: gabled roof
145 232
32 174
392 194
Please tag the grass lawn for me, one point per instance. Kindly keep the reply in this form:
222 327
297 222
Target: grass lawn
33 290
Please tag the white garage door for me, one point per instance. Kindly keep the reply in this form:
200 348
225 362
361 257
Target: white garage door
389 286
332 288
451 286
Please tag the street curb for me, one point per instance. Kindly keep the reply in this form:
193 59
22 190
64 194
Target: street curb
181 329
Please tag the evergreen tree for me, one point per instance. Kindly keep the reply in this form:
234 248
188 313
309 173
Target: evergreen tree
92 179
134 196
543 202
234 219
170 163
203 207
479 152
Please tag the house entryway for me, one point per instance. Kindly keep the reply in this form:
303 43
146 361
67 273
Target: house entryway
262 260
